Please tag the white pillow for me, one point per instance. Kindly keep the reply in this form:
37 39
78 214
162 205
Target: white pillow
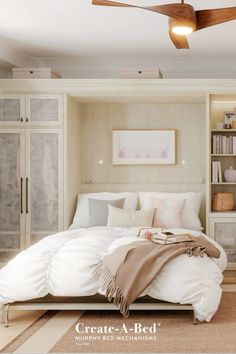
129 218
81 217
168 212
191 207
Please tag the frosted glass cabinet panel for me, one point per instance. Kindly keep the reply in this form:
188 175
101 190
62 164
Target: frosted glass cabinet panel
11 189
31 170
224 232
44 109
43 186
11 109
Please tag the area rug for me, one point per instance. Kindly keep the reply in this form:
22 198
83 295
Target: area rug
142 332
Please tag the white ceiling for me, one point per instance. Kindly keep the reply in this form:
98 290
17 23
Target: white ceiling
65 28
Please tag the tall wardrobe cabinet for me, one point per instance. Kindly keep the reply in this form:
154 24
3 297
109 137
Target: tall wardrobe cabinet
31 169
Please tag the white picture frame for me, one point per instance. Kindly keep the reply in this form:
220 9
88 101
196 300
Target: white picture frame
144 147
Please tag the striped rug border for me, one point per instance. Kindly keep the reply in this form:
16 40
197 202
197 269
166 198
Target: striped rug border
32 329
28 332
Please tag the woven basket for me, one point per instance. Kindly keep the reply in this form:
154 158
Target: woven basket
223 202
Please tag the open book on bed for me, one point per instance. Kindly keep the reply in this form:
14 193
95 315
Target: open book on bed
162 237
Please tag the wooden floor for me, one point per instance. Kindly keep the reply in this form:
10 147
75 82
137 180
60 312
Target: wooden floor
229 277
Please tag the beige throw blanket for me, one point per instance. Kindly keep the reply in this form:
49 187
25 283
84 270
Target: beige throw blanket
130 269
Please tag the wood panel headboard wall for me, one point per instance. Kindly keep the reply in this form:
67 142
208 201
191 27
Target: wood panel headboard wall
98 120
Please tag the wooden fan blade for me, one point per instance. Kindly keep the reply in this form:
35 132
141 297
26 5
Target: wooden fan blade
177 11
109 3
180 42
212 17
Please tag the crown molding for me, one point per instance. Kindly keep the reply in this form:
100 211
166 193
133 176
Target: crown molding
120 87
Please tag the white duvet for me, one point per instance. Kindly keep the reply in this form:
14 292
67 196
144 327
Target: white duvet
63 264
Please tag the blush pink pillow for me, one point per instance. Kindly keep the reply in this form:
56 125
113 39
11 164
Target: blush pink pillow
167 212
156 222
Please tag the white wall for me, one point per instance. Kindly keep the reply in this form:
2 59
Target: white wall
179 66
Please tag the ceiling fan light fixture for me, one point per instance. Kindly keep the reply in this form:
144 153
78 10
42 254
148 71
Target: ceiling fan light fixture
182 27
182 30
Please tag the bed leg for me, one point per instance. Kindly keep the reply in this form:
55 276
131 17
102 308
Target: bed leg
3 314
194 318
6 315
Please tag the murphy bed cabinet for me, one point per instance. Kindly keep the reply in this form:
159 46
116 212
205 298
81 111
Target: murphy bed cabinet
31 170
45 160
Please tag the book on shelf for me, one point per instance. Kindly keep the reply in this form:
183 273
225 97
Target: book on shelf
214 144
219 171
223 144
218 138
227 145
216 172
234 145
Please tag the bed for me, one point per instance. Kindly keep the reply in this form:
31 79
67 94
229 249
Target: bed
58 272
62 265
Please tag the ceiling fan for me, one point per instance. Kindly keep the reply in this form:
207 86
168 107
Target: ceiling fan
183 19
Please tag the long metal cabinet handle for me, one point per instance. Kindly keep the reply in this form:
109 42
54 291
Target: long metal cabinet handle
21 195
27 195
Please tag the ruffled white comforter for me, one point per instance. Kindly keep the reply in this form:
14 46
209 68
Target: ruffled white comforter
63 264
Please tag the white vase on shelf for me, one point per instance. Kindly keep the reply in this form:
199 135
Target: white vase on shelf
230 174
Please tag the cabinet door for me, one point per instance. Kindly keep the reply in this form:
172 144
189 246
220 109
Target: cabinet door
223 231
44 183
12 109
44 109
12 221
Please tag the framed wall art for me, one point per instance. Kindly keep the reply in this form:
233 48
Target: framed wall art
144 147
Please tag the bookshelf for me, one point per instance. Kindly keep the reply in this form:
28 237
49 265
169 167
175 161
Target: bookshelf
223 155
221 225
223 183
223 130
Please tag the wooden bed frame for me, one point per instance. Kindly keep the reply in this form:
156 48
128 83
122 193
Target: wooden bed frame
97 302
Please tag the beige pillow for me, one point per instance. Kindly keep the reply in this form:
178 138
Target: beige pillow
129 218
168 212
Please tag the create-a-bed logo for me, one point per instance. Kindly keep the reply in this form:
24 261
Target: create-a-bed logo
136 331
